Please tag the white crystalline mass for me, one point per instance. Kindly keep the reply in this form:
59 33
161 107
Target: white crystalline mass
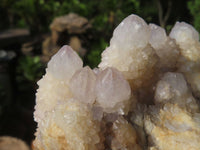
144 94
64 63
53 86
69 126
51 92
125 136
194 80
165 47
184 33
188 40
63 121
189 63
111 89
172 88
129 51
172 125
82 85
172 128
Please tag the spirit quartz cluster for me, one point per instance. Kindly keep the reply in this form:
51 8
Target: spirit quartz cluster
144 95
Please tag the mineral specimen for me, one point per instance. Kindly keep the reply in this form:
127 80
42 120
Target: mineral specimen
144 95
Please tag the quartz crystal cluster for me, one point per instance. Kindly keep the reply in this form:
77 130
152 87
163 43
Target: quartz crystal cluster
144 95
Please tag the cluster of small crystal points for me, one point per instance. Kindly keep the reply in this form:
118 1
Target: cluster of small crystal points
144 95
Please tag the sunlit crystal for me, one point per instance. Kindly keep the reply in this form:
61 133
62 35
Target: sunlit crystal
143 95
64 63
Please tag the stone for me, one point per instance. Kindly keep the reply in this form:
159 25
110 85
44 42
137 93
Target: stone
143 95
76 45
12 143
68 29
48 48
72 22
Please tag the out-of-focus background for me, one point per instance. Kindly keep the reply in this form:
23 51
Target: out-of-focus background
31 31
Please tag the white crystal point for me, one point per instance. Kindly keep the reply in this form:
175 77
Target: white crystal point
129 51
173 88
188 40
132 32
64 63
158 36
111 88
82 85
183 32
165 47
171 85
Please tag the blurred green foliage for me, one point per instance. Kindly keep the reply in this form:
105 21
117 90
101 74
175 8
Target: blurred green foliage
104 16
29 68
194 7
37 14
94 57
